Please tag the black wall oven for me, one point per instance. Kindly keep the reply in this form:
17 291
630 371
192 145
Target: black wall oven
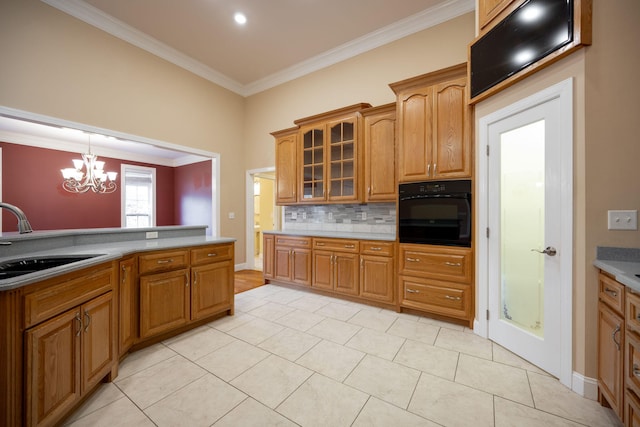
435 213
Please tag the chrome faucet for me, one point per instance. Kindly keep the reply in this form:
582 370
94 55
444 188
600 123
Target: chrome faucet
23 222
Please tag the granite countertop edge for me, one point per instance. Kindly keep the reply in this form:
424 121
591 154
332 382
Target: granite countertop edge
334 234
622 263
105 252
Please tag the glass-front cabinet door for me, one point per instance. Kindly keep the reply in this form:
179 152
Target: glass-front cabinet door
313 174
342 160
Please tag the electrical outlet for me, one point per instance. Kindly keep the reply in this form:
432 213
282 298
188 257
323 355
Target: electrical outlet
232 215
294 215
304 215
152 234
330 215
623 220
364 216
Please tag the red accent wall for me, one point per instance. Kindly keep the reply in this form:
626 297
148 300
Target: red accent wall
31 180
193 194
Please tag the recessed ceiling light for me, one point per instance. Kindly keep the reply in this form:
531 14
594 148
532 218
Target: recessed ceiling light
240 18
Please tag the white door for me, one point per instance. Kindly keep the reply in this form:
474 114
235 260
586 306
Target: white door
529 217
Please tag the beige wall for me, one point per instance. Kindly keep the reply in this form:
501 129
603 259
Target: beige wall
56 65
364 78
606 150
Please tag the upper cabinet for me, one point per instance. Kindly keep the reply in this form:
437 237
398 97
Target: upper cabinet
489 9
434 126
380 182
286 162
321 160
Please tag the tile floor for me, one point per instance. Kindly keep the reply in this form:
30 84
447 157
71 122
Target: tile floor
291 358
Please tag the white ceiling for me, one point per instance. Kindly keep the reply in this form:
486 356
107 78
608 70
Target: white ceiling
282 40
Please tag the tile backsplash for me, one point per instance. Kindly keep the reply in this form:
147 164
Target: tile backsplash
368 218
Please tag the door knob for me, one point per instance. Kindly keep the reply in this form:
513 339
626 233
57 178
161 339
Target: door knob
551 251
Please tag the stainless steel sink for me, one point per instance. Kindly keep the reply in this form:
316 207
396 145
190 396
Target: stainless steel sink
19 267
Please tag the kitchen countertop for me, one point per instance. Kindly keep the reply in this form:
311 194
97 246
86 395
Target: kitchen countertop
57 244
622 263
334 234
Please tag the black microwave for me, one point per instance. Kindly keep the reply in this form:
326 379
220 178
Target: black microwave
435 213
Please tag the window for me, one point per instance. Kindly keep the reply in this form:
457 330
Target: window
138 196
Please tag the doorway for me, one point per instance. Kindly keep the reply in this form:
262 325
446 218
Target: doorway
526 207
262 213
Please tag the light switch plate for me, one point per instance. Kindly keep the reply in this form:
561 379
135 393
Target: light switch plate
623 220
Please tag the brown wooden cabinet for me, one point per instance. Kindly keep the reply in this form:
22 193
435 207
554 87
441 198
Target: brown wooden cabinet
335 265
379 134
377 271
292 260
127 304
330 156
186 285
211 280
268 254
68 350
286 166
488 10
434 126
611 336
437 280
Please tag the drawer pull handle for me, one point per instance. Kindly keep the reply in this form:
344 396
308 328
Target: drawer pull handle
349 246
412 259
613 336
186 278
213 254
375 248
636 370
319 244
165 261
79 319
453 264
452 298
413 291
611 292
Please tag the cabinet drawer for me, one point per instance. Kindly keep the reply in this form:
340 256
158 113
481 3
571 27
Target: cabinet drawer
441 263
207 254
611 292
449 299
295 242
66 292
632 312
162 261
341 245
376 248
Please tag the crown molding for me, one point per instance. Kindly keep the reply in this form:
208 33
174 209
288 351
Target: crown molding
403 28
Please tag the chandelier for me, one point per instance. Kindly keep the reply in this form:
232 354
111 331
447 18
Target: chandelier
94 179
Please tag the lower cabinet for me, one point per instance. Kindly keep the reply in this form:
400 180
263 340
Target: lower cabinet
335 271
437 280
196 286
164 302
377 271
292 260
268 248
127 304
610 357
66 356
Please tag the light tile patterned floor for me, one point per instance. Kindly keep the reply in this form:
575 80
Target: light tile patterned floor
292 358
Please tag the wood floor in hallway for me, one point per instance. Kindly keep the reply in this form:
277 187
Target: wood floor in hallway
247 279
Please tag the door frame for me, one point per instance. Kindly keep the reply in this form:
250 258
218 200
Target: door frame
562 91
250 239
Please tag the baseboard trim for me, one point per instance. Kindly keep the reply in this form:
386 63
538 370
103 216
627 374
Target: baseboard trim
242 266
585 386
